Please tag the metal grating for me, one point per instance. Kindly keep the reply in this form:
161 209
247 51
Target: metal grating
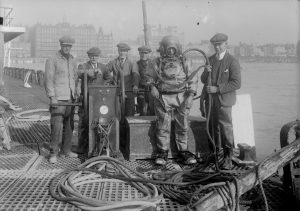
20 150
148 165
42 163
7 178
31 192
167 204
17 162
29 132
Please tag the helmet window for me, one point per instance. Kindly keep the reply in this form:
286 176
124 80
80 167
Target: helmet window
171 51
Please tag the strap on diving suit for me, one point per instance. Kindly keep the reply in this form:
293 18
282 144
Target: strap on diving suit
175 88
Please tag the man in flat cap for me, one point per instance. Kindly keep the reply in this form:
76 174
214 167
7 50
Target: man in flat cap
225 80
96 74
128 68
145 100
60 77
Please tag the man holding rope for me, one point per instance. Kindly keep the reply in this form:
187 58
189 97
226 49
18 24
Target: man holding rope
225 80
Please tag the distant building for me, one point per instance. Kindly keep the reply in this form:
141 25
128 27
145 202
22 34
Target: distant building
257 51
279 50
45 39
246 50
156 33
20 49
268 49
204 45
105 43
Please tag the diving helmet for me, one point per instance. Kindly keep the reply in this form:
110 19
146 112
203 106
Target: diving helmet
170 47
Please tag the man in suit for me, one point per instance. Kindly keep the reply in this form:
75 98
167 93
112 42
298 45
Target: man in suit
129 69
60 77
145 101
96 74
225 80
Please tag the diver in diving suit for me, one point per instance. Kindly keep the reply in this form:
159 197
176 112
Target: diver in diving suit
172 95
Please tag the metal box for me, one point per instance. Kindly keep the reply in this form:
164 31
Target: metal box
140 137
100 96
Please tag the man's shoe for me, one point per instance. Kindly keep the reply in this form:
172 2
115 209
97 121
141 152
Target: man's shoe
69 154
53 159
227 163
187 157
161 157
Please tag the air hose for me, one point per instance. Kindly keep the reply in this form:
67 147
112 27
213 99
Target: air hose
69 182
208 117
32 118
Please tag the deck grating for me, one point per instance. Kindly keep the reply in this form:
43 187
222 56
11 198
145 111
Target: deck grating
25 172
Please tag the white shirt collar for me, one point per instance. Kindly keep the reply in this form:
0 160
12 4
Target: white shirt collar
221 56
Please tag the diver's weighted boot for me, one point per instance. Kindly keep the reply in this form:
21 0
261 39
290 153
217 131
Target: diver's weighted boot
161 157
227 164
187 157
228 153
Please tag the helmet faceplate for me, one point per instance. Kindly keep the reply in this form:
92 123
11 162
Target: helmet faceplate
170 47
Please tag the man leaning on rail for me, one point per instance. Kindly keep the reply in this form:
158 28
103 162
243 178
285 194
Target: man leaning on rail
60 77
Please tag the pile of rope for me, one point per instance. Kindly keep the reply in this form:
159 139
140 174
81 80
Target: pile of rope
66 185
188 187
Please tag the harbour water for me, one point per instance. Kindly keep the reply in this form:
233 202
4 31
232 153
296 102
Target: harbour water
274 94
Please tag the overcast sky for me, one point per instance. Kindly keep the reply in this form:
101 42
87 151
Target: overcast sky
251 21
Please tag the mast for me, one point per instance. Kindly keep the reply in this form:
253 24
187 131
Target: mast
146 32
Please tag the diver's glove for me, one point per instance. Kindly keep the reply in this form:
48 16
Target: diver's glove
154 91
189 99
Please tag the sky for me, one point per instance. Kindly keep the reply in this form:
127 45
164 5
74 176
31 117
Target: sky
250 21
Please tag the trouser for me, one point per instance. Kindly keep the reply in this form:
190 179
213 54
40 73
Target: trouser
129 106
145 104
163 110
221 126
83 131
62 125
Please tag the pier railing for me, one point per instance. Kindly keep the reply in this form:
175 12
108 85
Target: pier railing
35 77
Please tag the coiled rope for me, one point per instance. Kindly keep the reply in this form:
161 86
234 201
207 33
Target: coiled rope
31 118
69 182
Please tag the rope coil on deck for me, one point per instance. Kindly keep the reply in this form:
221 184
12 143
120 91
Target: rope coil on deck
69 182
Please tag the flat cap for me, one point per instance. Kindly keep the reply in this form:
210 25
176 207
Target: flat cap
219 38
144 49
67 40
94 51
123 46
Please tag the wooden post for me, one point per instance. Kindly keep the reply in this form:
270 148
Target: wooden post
249 180
146 32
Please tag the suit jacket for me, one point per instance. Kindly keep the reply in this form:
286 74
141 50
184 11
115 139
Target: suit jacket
129 70
228 78
60 77
93 76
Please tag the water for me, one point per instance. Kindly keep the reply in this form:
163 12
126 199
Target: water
274 93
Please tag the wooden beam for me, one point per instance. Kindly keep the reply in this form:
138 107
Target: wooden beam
247 181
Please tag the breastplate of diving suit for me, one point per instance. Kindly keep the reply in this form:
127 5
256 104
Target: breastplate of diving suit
172 100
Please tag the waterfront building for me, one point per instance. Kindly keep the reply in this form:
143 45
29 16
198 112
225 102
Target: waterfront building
44 39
